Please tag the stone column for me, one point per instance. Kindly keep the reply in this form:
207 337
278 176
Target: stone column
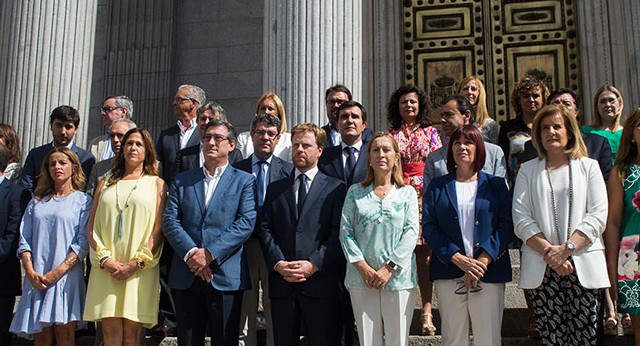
46 54
310 45
383 58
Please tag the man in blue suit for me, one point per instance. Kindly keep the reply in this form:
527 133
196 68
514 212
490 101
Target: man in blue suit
12 205
209 216
185 133
64 122
267 168
298 233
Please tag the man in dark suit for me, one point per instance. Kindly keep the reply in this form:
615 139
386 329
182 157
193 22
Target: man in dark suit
298 233
348 162
117 130
12 205
267 168
64 122
184 134
192 157
333 98
209 216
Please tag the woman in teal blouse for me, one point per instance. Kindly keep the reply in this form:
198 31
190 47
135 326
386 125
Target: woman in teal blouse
378 233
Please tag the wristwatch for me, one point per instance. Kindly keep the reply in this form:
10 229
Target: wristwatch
140 263
392 265
570 246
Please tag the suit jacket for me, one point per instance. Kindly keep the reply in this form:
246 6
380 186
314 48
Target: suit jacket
532 215
493 230
436 165
167 148
598 148
97 146
189 158
367 134
278 169
13 202
313 235
33 163
98 172
330 163
222 227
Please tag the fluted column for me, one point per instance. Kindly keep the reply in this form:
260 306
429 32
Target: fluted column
46 54
383 57
309 45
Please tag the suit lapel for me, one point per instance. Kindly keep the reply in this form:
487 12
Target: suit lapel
483 185
317 186
450 188
360 171
225 180
336 163
290 197
199 192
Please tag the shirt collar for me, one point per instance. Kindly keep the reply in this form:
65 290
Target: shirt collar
255 159
192 125
69 146
357 146
311 174
217 173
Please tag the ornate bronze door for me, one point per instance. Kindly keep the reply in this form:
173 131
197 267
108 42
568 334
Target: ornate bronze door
500 41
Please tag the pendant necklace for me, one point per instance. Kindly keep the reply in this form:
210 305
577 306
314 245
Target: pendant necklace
120 219
555 209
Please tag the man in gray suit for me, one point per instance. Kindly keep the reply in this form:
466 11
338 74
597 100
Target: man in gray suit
456 111
117 130
267 168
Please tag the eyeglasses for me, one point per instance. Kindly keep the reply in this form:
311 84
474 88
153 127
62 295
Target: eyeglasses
181 99
217 138
461 288
108 109
339 102
270 134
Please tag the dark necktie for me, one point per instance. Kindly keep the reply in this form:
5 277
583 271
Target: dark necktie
260 182
302 191
350 164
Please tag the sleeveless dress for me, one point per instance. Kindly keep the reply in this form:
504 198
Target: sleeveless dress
50 228
136 298
628 271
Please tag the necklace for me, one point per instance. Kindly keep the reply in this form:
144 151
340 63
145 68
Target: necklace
120 219
554 208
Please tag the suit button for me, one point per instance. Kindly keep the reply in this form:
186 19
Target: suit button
477 223
477 244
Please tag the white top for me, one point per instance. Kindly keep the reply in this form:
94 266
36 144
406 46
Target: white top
356 153
466 196
244 143
186 133
211 181
560 183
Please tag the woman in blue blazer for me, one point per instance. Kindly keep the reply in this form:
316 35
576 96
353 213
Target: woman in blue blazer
467 222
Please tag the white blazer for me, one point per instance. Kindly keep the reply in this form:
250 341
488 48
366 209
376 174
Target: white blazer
532 215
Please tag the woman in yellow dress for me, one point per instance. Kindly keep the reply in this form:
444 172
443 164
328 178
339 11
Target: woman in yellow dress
125 239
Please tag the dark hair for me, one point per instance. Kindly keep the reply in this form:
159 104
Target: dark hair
231 131
393 107
268 119
472 133
525 84
338 88
560 91
64 114
628 150
45 184
11 141
350 104
5 156
462 104
149 165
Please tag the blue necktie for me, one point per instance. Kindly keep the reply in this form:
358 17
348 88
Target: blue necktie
302 191
260 182
350 164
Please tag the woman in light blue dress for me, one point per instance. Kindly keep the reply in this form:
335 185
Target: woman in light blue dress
53 244
378 233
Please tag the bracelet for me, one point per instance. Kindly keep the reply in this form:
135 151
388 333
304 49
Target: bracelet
139 262
104 260
70 261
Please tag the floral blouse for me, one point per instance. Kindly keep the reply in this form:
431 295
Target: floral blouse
415 146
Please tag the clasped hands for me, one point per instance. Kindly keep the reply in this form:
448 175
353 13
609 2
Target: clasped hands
296 271
42 282
198 263
376 279
474 269
118 270
556 257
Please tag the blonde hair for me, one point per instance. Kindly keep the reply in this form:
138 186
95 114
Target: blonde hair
575 145
597 121
279 106
45 183
396 172
482 113
317 131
